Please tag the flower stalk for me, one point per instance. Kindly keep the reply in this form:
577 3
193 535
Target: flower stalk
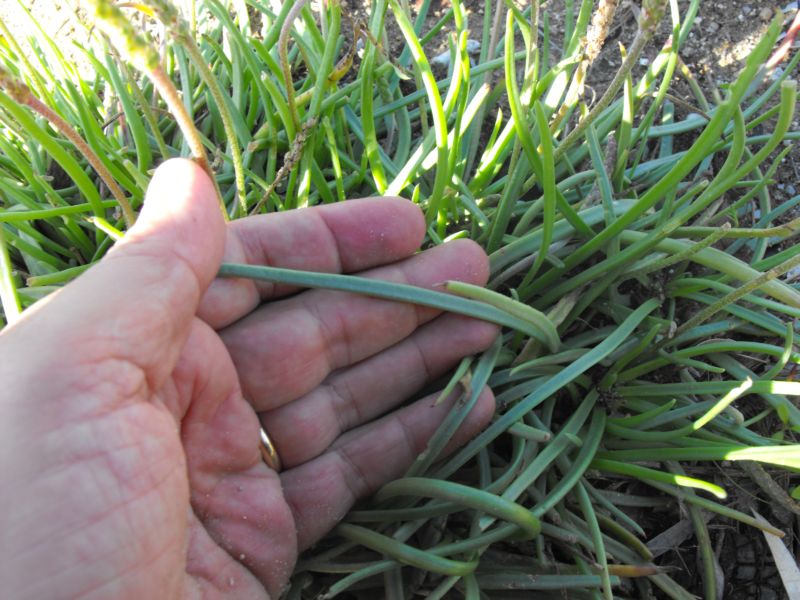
22 94
142 55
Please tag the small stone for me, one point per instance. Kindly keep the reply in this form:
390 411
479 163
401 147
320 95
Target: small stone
765 14
767 593
443 59
712 27
747 9
793 274
791 190
746 573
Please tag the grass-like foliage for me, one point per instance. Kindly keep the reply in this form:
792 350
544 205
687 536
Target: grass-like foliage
635 254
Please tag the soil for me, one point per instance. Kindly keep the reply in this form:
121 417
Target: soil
724 33
57 18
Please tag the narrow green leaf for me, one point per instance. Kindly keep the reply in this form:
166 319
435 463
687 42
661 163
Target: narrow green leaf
382 289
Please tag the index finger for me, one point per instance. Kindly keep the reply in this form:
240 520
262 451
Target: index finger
335 238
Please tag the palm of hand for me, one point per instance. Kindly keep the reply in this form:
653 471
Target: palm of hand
135 462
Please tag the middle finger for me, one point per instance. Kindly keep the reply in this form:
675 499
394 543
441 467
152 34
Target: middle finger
285 349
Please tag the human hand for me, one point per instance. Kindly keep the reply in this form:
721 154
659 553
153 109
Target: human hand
129 419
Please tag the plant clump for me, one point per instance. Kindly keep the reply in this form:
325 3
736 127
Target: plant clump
638 258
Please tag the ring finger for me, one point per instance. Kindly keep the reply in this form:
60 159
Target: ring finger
305 428
321 491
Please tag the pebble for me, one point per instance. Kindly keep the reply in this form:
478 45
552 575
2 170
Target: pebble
712 27
765 14
443 59
747 554
793 274
746 572
767 593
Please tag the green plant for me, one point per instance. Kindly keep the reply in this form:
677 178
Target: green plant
604 241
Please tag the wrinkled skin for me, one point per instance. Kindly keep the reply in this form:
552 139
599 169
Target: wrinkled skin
131 401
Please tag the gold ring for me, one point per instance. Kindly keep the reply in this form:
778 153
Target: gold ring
269 453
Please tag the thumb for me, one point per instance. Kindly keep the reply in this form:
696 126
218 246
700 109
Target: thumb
180 223
137 304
